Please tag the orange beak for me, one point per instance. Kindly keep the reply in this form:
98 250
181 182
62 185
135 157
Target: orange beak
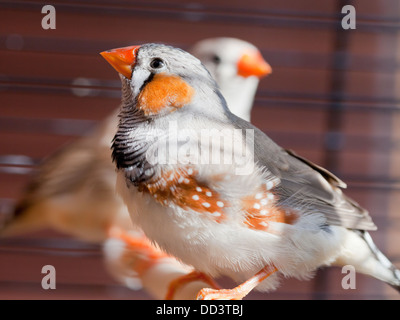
122 59
253 64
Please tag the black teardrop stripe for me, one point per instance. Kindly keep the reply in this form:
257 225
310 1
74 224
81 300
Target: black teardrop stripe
129 152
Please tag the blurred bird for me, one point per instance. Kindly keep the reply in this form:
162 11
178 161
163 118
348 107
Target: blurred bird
237 66
281 216
73 190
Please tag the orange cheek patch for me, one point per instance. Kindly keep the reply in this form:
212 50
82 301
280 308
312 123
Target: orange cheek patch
182 188
260 210
164 91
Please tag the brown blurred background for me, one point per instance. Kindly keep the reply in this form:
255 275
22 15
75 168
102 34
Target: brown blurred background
333 97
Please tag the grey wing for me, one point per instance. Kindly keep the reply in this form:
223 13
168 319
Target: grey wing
329 176
304 183
336 206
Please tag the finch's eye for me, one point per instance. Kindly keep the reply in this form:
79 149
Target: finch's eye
216 59
156 63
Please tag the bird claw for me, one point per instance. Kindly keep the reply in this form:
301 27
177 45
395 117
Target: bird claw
239 292
190 277
223 294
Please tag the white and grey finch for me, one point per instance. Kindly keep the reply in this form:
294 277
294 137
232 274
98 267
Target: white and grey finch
73 190
286 217
64 193
237 67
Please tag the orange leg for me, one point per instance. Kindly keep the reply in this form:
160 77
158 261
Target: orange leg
240 291
146 254
190 277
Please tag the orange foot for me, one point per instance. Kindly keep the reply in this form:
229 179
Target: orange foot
187 278
240 291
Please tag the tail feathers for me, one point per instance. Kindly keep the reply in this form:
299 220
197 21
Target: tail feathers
397 286
385 271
